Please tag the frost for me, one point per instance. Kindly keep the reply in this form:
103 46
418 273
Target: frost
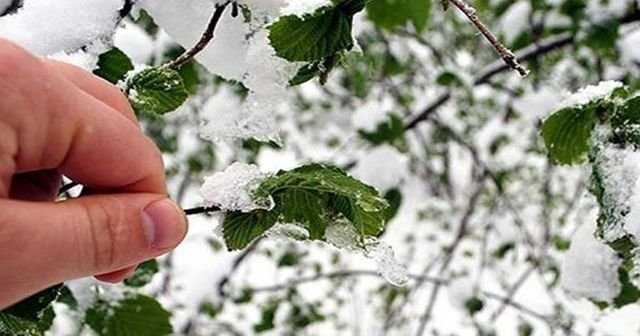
69 24
390 269
232 189
620 169
288 231
591 93
590 268
343 235
297 7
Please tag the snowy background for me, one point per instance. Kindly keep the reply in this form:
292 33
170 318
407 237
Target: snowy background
495 239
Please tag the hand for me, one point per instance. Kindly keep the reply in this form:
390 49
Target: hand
56 119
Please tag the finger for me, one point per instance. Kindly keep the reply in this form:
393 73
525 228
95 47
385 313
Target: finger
59 125
117 276
95 86
46 243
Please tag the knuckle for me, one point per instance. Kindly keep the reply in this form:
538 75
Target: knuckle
106 232
14 59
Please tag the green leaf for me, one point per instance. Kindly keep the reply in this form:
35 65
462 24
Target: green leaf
239 228
342 194
567 134
312 37
113 65
629 293
143 274
310 197
474 305
138 315
390 14
32 316
156 90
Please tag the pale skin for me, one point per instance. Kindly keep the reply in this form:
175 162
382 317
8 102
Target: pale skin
55 120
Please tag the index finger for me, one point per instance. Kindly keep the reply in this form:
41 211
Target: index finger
55 124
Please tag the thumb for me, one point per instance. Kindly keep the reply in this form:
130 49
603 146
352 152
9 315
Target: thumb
46 243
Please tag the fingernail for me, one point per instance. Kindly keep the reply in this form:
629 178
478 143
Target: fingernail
164 224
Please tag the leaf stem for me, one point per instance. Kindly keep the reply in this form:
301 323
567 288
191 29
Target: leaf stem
507 55
205 39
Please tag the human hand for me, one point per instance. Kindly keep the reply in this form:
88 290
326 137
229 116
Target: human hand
56 119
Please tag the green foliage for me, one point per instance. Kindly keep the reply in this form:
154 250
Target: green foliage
137 315
310 196
389 14
567 134
113 65
312 37
474 305
390 131
143 274
32 316
156 90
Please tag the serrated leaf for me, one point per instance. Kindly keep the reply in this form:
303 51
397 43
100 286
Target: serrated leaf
390 14
138 315
156 90
309 196
143 274
567 134
312 37
113 65
240 229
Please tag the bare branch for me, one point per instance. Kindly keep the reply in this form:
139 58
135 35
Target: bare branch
206 38
507 55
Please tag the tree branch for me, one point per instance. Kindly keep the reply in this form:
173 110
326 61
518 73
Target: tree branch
531 52
507 55
206 38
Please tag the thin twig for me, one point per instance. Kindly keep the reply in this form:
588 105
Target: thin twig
507 55
205 39
201 210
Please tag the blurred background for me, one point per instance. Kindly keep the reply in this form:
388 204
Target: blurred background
425 111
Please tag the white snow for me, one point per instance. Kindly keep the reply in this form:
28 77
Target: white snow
344 236
590 268
135 42
620 169
49 27
628 45
590 93
515 20
383 167
231 190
